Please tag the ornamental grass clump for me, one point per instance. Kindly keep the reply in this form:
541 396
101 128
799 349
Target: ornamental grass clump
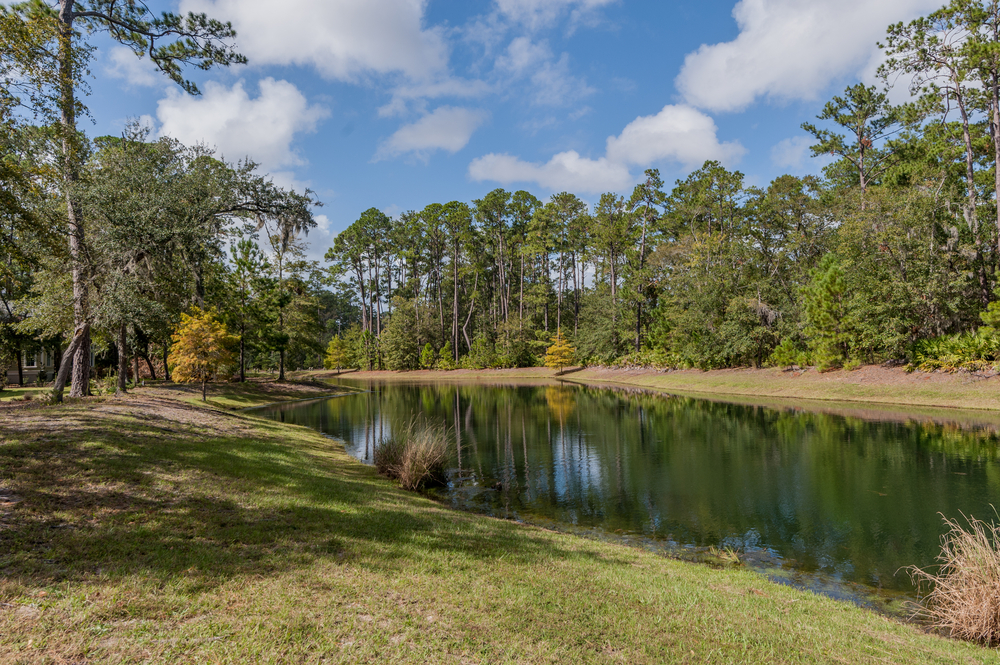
964 596
416 455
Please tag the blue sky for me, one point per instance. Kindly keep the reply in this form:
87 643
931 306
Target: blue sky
395 104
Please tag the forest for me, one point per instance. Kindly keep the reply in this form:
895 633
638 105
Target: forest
891 256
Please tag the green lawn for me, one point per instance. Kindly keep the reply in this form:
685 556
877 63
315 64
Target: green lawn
153 529
18 393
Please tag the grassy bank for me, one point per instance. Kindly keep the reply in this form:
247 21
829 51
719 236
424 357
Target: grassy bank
154 529
872 384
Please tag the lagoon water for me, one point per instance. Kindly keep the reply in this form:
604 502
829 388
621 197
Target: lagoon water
830 502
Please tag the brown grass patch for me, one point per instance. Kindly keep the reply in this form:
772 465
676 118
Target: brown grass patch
964 596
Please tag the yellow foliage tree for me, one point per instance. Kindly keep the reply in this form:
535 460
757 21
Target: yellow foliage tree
337 354
200 346
560 354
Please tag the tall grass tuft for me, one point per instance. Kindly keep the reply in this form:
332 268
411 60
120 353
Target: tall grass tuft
964 595
415 454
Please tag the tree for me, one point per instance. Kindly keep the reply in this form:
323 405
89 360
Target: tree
428 357
337 354
826 313
51 73
869 118
250 287
560 354
201 347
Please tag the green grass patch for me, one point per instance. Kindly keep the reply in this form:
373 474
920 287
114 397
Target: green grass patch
150 529
18 393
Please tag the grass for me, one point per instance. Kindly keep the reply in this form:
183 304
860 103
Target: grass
152 529
416 455
18 393
964 595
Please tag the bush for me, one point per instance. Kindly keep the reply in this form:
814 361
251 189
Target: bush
963 597
415 455
976 350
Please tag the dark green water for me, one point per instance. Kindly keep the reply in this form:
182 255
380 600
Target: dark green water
823 501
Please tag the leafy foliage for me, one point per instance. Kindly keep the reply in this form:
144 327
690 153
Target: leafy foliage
201 347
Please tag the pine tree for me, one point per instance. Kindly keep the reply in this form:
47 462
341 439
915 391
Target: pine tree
428 357
200 347
560 354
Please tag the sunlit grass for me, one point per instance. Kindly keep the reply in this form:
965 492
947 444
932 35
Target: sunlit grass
148 529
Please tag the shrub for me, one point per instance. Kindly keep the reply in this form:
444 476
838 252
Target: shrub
415 455
428 357
446 358
974 350
963 596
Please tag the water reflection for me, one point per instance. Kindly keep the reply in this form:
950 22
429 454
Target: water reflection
850 499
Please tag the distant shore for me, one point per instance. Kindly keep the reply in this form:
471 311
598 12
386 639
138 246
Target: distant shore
870 384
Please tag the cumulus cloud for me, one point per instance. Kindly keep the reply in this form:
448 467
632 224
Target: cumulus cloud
446 128
792 153
566 171
541 13
677 133
552 82
342 39
417 94
262 128
124 64
789 49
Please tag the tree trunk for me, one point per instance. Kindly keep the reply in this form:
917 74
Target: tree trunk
995 93
166 367
67 363
135 369
122 386
149 365
70 175
204 387
20 367
243 374
454 331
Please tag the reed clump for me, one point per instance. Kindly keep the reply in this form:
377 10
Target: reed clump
415 454
964 595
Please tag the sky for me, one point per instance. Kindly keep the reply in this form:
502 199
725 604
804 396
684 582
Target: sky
395 104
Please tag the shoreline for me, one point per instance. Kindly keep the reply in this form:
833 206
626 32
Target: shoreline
871 391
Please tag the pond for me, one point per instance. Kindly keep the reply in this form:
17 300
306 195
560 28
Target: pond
838 504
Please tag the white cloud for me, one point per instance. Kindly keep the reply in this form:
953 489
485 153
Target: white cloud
566 171
541 13
678 133
789 49
342 39
418 93
227 118
124 64
447 128
792 153
553 84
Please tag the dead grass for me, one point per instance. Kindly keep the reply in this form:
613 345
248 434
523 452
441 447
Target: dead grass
415 455
964 595
870 384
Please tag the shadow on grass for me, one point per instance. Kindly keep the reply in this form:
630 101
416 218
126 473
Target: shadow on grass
107 495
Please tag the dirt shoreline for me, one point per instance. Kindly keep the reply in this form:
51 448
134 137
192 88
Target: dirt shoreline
870 391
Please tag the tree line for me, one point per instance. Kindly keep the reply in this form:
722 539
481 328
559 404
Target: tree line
890 255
